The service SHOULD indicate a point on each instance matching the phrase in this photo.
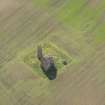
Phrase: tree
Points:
(46, 64)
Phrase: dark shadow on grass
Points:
(51, 73)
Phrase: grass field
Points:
(73, 30)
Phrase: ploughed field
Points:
(73, 30)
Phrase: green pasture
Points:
(78, 15)
(29, 57)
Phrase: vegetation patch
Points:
(61, 58)
(41, 3)
(100, 34)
